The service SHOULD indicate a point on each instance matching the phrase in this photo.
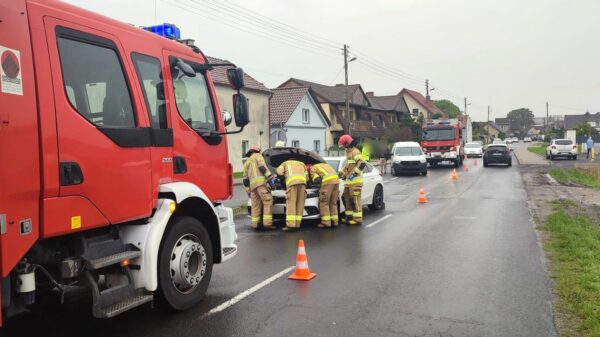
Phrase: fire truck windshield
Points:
(438, 134)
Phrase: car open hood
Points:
(277, 155)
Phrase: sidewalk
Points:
(526, 157)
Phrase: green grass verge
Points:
(577, 176)
(574, 246)
(238, 175)
(541, 150)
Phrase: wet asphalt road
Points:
(467, 263)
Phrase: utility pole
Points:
(547, 121)
(488, 113)
(427, 88)
(346, 72)
(466, 107)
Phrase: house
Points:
(503, 124)
(492, 130)
(420, 105)
(297, 111)
(571, 121)
(257, 131)
(366, 118)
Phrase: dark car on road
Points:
(497, 154)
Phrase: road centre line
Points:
(247, 293)
(378, 221)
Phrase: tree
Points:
(501, 135)
(521, 120)
(449, 108)
(406, 129)
(584, 129)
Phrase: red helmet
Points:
(255, 149)
(345, 141)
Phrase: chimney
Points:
(339, 85)
(370, 93)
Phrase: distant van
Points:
(408, 157)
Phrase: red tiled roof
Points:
(330, 93)
(427, 104)
(219, 76)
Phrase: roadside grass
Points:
(538, 149)
(240, 210)
(238, 175)
(589, 177)
(574, 247)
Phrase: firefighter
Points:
(353, 180)
(256, 178)
(324, 175)
(295, 194)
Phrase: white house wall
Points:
(306, 133)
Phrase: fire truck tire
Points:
(184, 265)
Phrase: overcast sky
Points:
(508, 54)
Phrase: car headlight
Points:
(312, 194)
(423, 160)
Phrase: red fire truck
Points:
(443, 141)
(114, 160)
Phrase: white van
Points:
(408, 157)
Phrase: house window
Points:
(245, 147)
(317, 146)
(415, 112)
(305, 116)
(295, 143)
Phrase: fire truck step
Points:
(128, 303)
(105, 261)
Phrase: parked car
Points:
(408, 157)
(561, 148)
(527, 140)
(498, 141)
(473, 150)
(497, 154)
(372, 194)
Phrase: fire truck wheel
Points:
(185, 264)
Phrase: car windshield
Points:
(335, 163)
(564, 142)
(497, 148)
(407, 151)
(438, 134)
(471, 145)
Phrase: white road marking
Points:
(378, 221)
(461, 217)
(392, 179)
(247, 292)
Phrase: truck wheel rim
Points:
(188, 263)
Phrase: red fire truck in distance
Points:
(114, 160)
(443, 141)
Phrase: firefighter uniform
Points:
(255, 178)
(328, 193)
(353, 187)
(295, 181)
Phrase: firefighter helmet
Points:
(253, 149)
(345, 141)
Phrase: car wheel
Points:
(510, 163)
(485, 164)
(547, 155)
(392, 171)
(424, 173)
(575, 157)
(378, 203)
(185, 264)
(456, 163)
(551, 156)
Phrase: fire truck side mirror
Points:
(185, 68)
(240, 106)
(235, 76)
(227, 118)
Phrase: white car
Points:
(408, 157)
(372, 191)
(561, 148)
(527, 140)
(473, 150)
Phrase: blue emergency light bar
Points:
(166, 29)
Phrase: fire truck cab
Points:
(114, 162)
(443, 141)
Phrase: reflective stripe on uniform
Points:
(357, 215)
(350, 161)
(257, 180)
(298, 218)
(334, 217)
(290, 217)
(326, 217)
(354, 181)
(268, 217)
(349, 212)
(292, 178)
(255, 219)
(329, 177)
(357, 157)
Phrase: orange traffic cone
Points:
(466, 167)
(302, 271)
(422, 199)
(454, 176)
